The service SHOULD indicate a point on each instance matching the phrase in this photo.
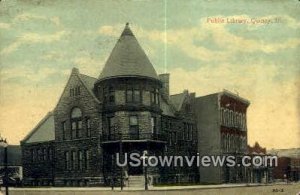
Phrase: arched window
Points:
(76, 123)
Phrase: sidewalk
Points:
(151, 188)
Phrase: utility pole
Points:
(4, 144)
(121, 157)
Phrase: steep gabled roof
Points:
(128, 59)
(44, 131)
(167, 108)
(177, 100)
(88, 82)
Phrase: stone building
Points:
(127, 109)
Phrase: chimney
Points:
(75, 71)
(164, 78)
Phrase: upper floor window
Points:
(133, 125)
(133, 95)
(63, 126)
(75, 91)
(153, 125)
(88, 127)
(111, 94)
(187, 108)
(50, 153)
(154, 96)
(111, 129)
(76, 123)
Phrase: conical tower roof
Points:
(128, 59)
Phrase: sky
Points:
(40, 42)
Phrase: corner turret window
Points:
(154, 96)
(133, 95)
(76, 123)
(133, 127)
(111, 95)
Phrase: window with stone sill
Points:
(153, 125)
(50, 153)
(133, 126)
(67, 160)
(111, 95)
(75, 91)
(76, 123)
(44, 154)
(86, 159)
(64, 129)
(111, 127)
(88, 127)
(73, 160)
(80, 160)
(154, 96)
(133, 95)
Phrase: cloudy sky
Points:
(40, 41)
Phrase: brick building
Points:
(259, 174)
(222, 130)
(128, 109)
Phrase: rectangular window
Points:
(88, 127)
(73, 160)
(153, 125)
(44, 154)
(87, 160)
(137, 96)
(67, 160)
(50, 153)
(111, 128)
(111, 95)
(77, 90)
(72, 92)
(174, 137)
(39, 154)
(32, 155)
(63, 126)
(170, 138)
(154, 96)
(80, 160)
(129, 94)
(133, 127)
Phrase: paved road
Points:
(290, 189)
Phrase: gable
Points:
(86, 85)
(177, 100)
(44, 131)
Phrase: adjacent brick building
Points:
(129, 109)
